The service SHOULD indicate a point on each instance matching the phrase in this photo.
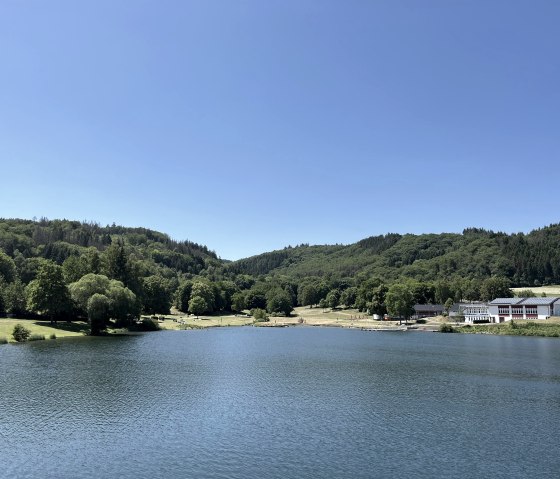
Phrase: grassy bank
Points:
(42, 328)
(348, 318)
(549, 328)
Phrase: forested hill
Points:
(59, 240)
(526, 259)
(109, 274)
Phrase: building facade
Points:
(427, 310)
(507, 309)
(475, 312)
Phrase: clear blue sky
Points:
(251, 125)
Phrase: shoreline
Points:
(302, 317)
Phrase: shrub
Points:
(3, 340)
(147, 324)
(259, 315)
(446, 328)
(52, 336)
(21, 333)
(37, 337)
(421, 321)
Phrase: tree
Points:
(333, 298)
(157, 297)
(20, 333)
(98, 307)
(279, 301)
(227, 290)
(448, 305)
(308, 295)
(256, 299)
(14, 298)
(348, 296)
(81, 291)
(206, 292)
(7, 268)
(525, 293)
(399, 301)
(74, 268)
(377, 303)
(238, 302)
(48, 293)
(197, 305)
(116, 262)
(124, 306)
(442, 292)
(183, 296)
(495, 287)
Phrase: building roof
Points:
(507, 301)
(539, 301)
(525, 301)
(428, 307)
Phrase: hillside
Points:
(58, 240)
(70, 269)
(526, 259)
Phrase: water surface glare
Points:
(281, 403)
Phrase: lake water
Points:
(281, 403)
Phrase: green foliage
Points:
(239, 302)
(15, 301)
(448, 305)
(495, 287)
(48, 293)
(36, 337)
(259, 315)
(183, 296)
(157, 295)
(519, 328)
(124, 307)
(3, 340)
(308, 294)
(475, 265)
(206, 292)
(400, 301)
(197, 305)
(348, 296)
(20, 333)
(147, 324)
(526, 293)
(81, 291)
(7, 268)
(52, 336)
(279, 301)
(98, 310)
(256, 298)
(475, 254)
(447, 328)
(333, 298)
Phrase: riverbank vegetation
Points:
(547, 328)
(78, 273)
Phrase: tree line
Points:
(126, 272)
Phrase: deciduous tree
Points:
(48, 293)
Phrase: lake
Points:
(281, 403)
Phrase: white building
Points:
(475, 312)
(506, 309)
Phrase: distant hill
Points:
(527, 259)
(59, 239)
